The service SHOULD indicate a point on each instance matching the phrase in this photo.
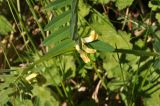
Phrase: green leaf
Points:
(55, 77)
(18, 102)
(5, 26)
(101, 23)
(63, 47)
(102, 46)
(156, 64)
(158, 17)
(57, 36)
(104, 27)
(156, 45)
(74, 19)
(8, 79)
(69, 66)
(58, 4)
(121, 4)
(44, 97)
(59, 20)
(84, 8)
(100, 1)
(154, 99)
(136, 52)
(154, 5)
(5, 95)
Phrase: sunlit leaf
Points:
(158, 17)
(121, 4)
(5, 26)
(84, 10)
(44, 97)
(154, 5)
(5, 93)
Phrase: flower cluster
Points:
(83, 50)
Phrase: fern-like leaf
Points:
(57, 36)
(58, 21)
(58, 4)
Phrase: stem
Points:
(136, 52)
(5, 56)
(35, 17)
(100, 77)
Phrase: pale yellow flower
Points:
(84, 50)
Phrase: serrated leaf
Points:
(57, 36)
(44, 97)
(58, 4)
(121, 4)
(55, 76)
(5, 95)
(102, 46)
(59, 20)
(5, 26)
(69, 64)
(18, 102)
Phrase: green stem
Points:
(5, 56)
(16, 52)
(24, 28)
(66, 94)
(100, 77)
(121, 69)
(20, 30)
(136, 52)
(21, 22)
(35, 17)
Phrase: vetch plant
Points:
(84, 52)
(83, 49)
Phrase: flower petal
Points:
(88, 50)
(84, 56)
(93, 36)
